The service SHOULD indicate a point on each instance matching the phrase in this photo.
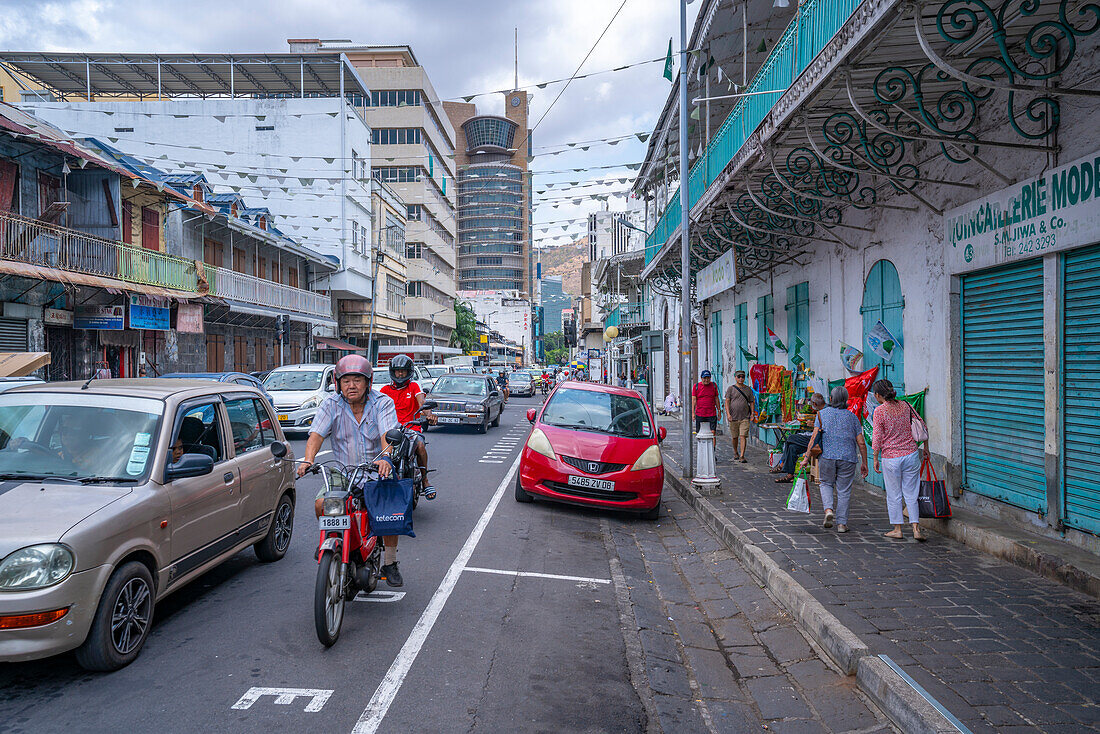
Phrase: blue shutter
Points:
(1002, 384)
(716, 350)
(1081, 390)
(742, 317)
(798, 320)
(882, 300)
(764, 316)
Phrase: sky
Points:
(466, 46)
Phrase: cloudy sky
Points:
(466, 46)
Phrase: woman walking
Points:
(892, 440)
(842, 447)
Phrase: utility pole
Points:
(433, 337)
(685, 255)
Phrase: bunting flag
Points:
(695, 113)
(776, 344)
(851, 358)
(857, 387)
(881, 341)
(748, 355)
(796, 353)
(668, 62)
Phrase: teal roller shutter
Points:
(1002, 382)
(1081, 390)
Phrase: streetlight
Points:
(432, 316)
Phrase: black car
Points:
(470, 400)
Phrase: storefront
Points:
(1029, 269)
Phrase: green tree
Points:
(554, 348)
(465, 334)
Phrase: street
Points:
(510, 619)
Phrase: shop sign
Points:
(154, 318)
(1059, 210)
(189, 318)
(57, 317)
(593, 353)
(112, 318)
(720, 275)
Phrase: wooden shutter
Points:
(150, 228)
(49, 190)
(292, 276)
(240, 353)
(128, 222)
(9, 175)
(238, 259)
(212, 252)
(215, 353)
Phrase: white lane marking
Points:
(382, 597)
(387, 690)
(489, 461)
(285, 696)
(502, 572)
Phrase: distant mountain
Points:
(566, 261)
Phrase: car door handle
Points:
(227, 477)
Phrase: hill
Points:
(566, 261)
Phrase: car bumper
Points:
(453, 418)
(634, 490)
(295, 419)
(79, 592)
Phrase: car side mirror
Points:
(427, 389)
(495, 392)
(531, 413)
(429, 405)
(278, 449)
(189, 465)
(661, 433)
(394, 436)
(329, 387)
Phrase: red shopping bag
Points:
(932, 500)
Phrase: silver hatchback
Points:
(115, 493)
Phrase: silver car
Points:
(115, 493)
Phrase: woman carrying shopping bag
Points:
(893, 439)
(842, 450)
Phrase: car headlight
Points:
(36, 567)
(650, 459)
(475, 408)
(334, 504)
(539, 443)
(311, 403)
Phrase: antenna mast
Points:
(516, 86)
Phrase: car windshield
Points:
(601, 412)
(437, 371)
(97, 438)
(459, 385)
(294, 380)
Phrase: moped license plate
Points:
(334, 522)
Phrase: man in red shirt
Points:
(407, 398)
(705, 402)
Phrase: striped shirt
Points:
(355, 442)
(891, 433)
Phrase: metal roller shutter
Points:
(1081, 389)
(1002, 381)
(13, 335)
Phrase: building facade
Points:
(507, 313)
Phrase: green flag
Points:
(749, 356)
(796, 353)
(668, 61)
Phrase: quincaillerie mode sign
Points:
(1058, 210)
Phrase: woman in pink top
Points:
(892, 440)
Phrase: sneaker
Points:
(842, 528)
(828, 519)
(392, 575)
(429, 492)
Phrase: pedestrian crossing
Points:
(505, 446)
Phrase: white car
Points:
(297, 390)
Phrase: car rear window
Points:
(599, 412)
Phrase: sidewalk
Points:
(1000, 647)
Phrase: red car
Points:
(593, 445)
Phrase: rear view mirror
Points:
(278, 449)
(531, 413)
(661, 433)
(189, 465)
(329, 387)
(395, 436)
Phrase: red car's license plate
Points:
(588, 483)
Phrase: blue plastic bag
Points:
(390, 506)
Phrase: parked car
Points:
(296, 391)
(238, 378)
(521, 384)
(7, 383)
(119, 494)
(593, 445)
(470, 400)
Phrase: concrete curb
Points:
(897, 699)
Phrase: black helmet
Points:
(401, 362)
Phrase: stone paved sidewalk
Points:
(719, 655)
(1002, 648)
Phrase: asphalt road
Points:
(462, 649)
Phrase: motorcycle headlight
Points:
(475, 408)
(650, 459)
(334, 504)
(36, 567)
(539, 443)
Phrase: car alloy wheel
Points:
(284, 526)
(133, 610)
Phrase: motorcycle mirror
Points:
(395, 436)
(278, 449)
(429, 405)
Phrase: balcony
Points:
(31, 242)
(235, 286)
(815, 24)
(627, 315)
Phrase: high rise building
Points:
(494, 196)
(412, 150)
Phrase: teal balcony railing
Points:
(816, 22)
(626, 315)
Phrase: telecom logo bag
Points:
(932, 500)
(390, 506)
(799, 498)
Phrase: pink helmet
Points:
(353, 364)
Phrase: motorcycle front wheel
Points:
(328, 598)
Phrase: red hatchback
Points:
(593, 445)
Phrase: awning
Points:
(21, 364)
(339, 345)
(254, 310)
(37, 272)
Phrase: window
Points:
(489, 260)
(265, 128)
(415, 288)
(150, 228)
(266, 424)
(128, 222)
(397, 174)
(415, 211)
(395, 295)
(49, 190)
(261, 271)
(238, 260)
(396, 136)
(414, 250)
(124, 129)
(244, 424)
(292, 276)
(355, 235)
(215, 353)
(212, 252)
(198, 431)
(394, 97)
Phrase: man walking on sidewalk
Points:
(705, 402)
(739, 412)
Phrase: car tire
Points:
(653, 513)
(131, 585)
(522, 495)
(496, 421)
(483, 427)
(275, 544)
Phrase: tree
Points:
(554, 348)
(465, 333)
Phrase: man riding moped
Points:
(357, 418)
(408, 399)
